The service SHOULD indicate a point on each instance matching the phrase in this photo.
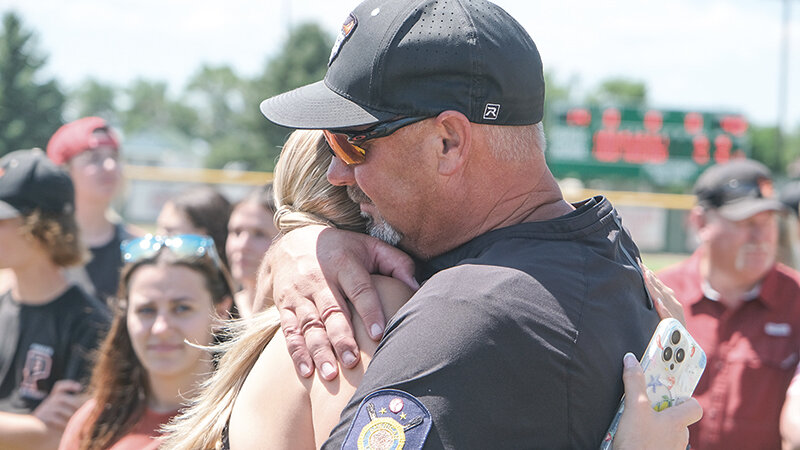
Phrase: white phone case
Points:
(673, 363)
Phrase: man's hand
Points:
(62, 402)
(664, 298)
(310, 273)
(643, 428)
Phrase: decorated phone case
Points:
(673, 363)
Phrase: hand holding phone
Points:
(673, 363)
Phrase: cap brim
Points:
(748, 208)
(316, 107)
(7, 211)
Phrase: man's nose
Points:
(340, 174)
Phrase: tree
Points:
(302, 60)
(30, 109)
(94, 98)
(619, 91)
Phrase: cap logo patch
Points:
(347, 29)
(491, 111)
(2, 171)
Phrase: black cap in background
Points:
(29, 180)
(737, 189)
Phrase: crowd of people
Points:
(413, 277)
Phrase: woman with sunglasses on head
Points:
(250, 233)
(173, 293)
(197, 210)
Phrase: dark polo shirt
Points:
(752, 355)
(514, 341)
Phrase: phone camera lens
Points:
(667, 354)
(679, 355)
(676, 337)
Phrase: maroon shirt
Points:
(752, 354)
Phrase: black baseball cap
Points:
(418, 58)
(29, 181)
(790, 196)
(737, 189)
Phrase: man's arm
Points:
(41, 429)
(309, 274)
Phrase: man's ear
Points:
(456, 135)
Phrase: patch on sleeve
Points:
(388, 419)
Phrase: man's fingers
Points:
(392, 262)
(316, 340)
(340, 332)
(296, 343)
(356, 285)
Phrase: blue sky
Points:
(692, 54)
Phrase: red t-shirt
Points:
(752, 354)
(143, 435)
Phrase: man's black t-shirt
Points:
(103, 269)
(54, 341)
(515, 341)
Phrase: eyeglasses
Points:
(182, 245)
(346, 144)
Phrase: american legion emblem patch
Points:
(388, 419)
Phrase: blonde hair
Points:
(303, 196)
(302, 192)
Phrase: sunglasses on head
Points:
(346, 145)
(182, 245)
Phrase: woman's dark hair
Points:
(208, 210)
(119, 383)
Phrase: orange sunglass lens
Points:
(346, 151)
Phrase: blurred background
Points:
(641, 95)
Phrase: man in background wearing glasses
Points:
(433, 110)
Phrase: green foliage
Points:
(619, 91)
(302, 60)
(30, 109)
(94, 98)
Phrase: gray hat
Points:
(418, 58)
(28, 181)
(737, 189)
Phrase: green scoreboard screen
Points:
(627, 145)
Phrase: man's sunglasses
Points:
(182, 245)
(346, 145)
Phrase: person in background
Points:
(89, 150)
(741, 307)
(789, 238)
(197, 210)
(173, 293)
(251, 230)
(48, 327)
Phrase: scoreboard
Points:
(663, 148)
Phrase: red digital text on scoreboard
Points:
(648, 137)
